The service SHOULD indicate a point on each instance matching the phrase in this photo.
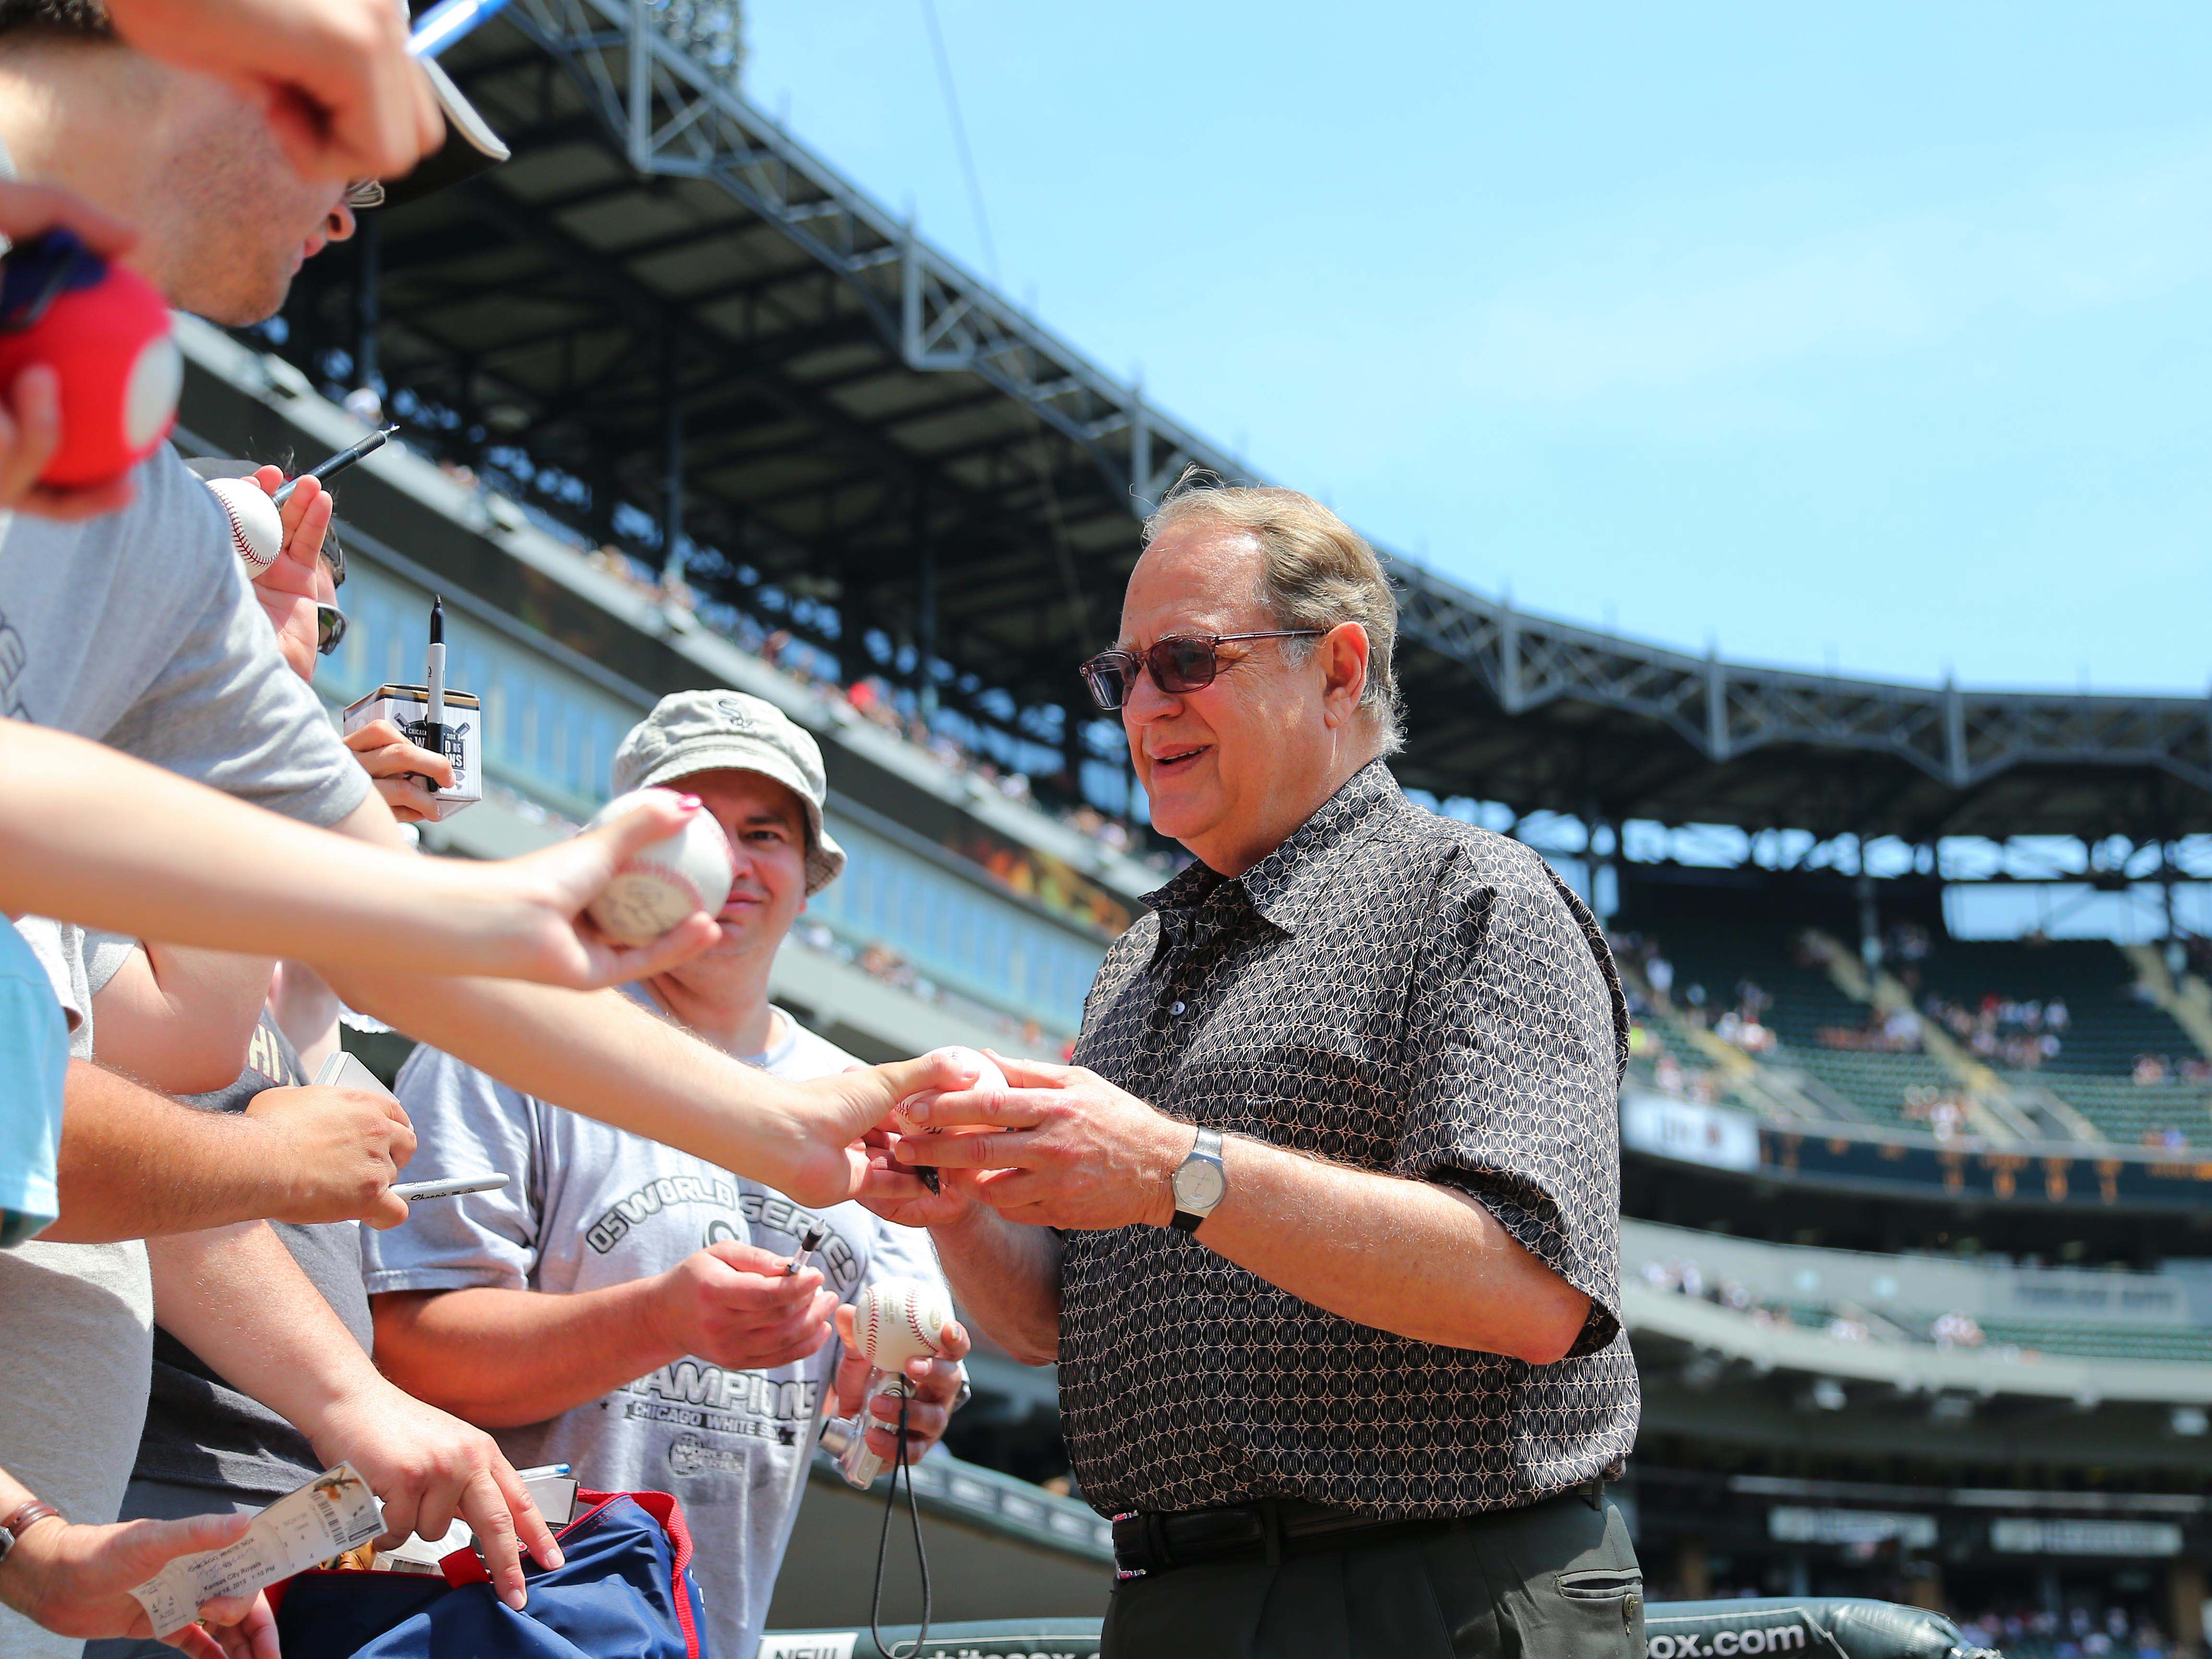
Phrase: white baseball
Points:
(663, 881)
(987, 1076)
(256, 532)
(896, 1320)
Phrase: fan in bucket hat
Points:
(691, 732)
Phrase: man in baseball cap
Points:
(694, 731)
(670, 1349)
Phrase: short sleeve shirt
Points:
(590, 1205)
(33, 1063)
(139, 628)
(1401, 993)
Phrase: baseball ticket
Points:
(327, 1517)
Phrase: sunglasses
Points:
(1179, 662)
(329, 629)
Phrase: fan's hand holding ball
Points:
(981, 1071)
(661, 883)
(257, 530)
(896, 1319)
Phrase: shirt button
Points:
(1175, 1008)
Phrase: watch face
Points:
(1198, 1185)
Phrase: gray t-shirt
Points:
(139, 629)
(588, 1206)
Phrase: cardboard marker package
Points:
(405, 706)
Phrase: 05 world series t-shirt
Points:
(588, 1205)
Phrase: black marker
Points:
(809, 1242)
(430, 733)
(434, 677)
(337, 463)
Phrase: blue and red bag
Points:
(624, 1589)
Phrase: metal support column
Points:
(1870, 914)
(2177, 954)
(925, 630)
(367, 298)
(672, 488)
(1074, 750)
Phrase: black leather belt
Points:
(1147, 1542)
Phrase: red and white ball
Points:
(896, 1320)
(665, 880)
(257, 533)
(120, 372)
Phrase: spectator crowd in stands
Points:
(2077, 1633)
(871, 698)
(1842, 1322)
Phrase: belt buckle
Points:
(1130, 1544)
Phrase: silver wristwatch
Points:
(1200, 1182)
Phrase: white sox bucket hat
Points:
(691, 732)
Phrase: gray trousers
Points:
(1558, 1580)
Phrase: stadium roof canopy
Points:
(700, 334)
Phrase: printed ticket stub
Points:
(327, 1517)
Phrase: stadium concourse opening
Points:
(1918, 1221)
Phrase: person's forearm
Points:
(1404, 1256)
(307, 1011)
(502, 1358)
(136, 1164)
(220, 874)
(177, 1019)
(599, 1053)
(235, 1297)
(1007, 1277)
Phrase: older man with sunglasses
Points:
(1322, 1227)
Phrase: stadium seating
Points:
(2093, 1077)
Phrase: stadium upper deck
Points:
(670, 324)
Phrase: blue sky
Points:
(1879, 340)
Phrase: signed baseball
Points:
(986, 1076)
(663, 881)
(896, 1320)
(257, 534)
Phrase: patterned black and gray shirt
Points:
(1401, 993)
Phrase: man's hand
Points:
(75, 1580)
(334, 1154)
(832, 1114)
(428, 1468)
(31, 409)
(892, 1189)
(1077, 1152)
(936, 1381)
(537, 903)
(732, 1304)
(397, 768)
(332, 76)
(292, 584)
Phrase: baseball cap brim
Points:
(470, 147)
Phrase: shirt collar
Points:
(1282, 886)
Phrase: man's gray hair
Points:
(1318, 572)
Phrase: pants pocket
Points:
(1600, 1612)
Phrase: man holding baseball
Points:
(1323, 1226)
(625, 1307)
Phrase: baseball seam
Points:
(238, 539)
(913, 1323)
